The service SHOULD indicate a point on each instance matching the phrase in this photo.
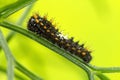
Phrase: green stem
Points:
(21, 20)
(10, 58)
(10, 9)
(105, 69)
(17, 65)
(101, 76)
(26, 72)
(24, 14)
(16, 74)
(101, 69)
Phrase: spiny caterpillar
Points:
(45, 28)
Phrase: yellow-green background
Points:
(93, 22)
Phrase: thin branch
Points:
(20, 21)
(101, 76)
(10, 9)
(18, 76)
(106, 69)
(10, 58)
(26, 72)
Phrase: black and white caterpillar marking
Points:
(45, 28)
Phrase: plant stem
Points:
(16, 75)
(24, 14)
(10, 58)
(26, 72)
(20, 21)
(106, 69)
(101, 76)
(101, 69)
(10, 9)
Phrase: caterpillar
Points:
(45, 28)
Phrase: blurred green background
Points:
(93, 22)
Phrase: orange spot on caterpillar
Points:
(45, 27)
(35, 16)
(83, 53)
(73, 48)
(41, 23)
(48, 30)
(56, 39)
(37, 21)
(52, 34)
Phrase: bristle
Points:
(45, 16)
(82, 45)
(51, 20)
(35, 16)
(77, 42)
(71, 39)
